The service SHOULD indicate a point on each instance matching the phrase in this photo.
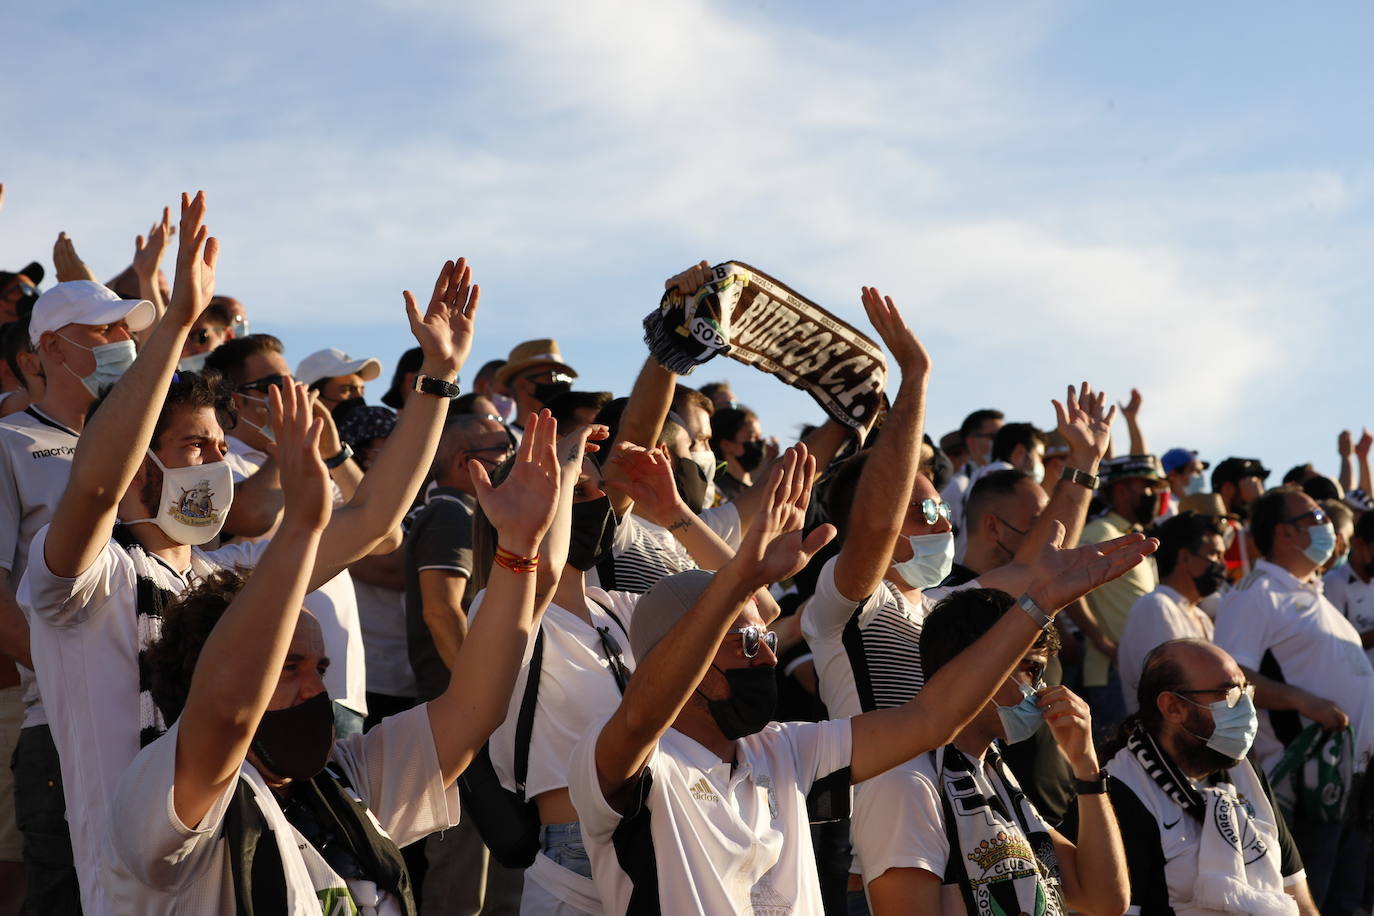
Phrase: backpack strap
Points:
(524, 723)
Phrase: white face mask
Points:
(505, 406)
(111, 361)
(266, 431)
(1038, 472)
(194, 502)
(194, 363)
(1196, 484)
(706, 460)
(931, 561)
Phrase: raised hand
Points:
(304, 478)
(522, 507)
(582, 441)
(1071, 724)
(197, 254)
(1085, 422)
(444, 332)
(1362, 447)
(647, 478)
(1344, 447)
(774, 548)
(148, 253)
(68, 265)
(899, 339)
(1059, 576)
(690, 280)
(1131, 409)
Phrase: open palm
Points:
(444, 332)
(1060, 576)
(522, 507)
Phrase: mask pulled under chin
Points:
(295, 742)
(752, 701)
(932, 558)
(194, 502)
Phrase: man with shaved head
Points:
(1184, 793)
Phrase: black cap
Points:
(1235, 469)
(1124, 466)
(409, 362)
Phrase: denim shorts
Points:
(563, 844)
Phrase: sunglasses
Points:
(1318, 518)
(615, 657)
(751, 636)
(933, 510)
(1231, 694)
(265, 384)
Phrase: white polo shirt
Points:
(1316, 648)
(84, 639)
(706, 836)
(35, 462)
(334, 603)
(1353, 598)
(1155, 618)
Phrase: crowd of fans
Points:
(510, 646)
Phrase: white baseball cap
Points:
(86, 302)
(331, 363)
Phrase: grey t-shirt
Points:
(439, 538)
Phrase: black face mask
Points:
(691, 483)
(545, 392)
(1212, 578)
(1145, 508)
(593, 531)
(295, 742)
(751, 703)
(752, 456)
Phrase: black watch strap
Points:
(428, 384)
(1074, 475)
(345, 453)
(1095, 786)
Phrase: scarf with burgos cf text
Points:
(745, 314)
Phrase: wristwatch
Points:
(345, 453)
(1042, 620)
(1095, 786)
(428, 384)
(1074, 475)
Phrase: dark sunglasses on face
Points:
(199, 338)
(264, 384)
(933, 510)
(1318, 518)
(751, 636)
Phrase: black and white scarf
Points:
(1160, 767)
(150, 600)
(1002, 860)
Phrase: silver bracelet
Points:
(1042, 620)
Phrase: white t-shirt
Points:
(709, 837)
(154, 864)
(576, 689)
(886, 670)
(382, 621)
(35, 462)
(334, 603)
(645, 552)
(84, 639)
(1353, 598)
(1316, 648)
(1155, 618)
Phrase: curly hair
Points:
(961, 618)
(186, 625)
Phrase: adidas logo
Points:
(701, 790)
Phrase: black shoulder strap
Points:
(611, 614)
(524, 724)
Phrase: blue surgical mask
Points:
(1321, 544)
(1233, 727)
(111, 361)
(1196, 484)
(932, 557)
(1341, 560)
(1022, 720)
(193, 363)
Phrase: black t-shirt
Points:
(439, 538)
(958, 575)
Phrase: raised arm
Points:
(112, 446)
(1362, 459)
(242, 659)
(386, 491)
(955, 694)
(1131, 411)
(521, 510)
(1085, 422)
(67, 264)
(1346, 449)
(773, 550)
(148, 256)
(646, 476)
(884, 491)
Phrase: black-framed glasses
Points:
(932, 509)
(751, 636)
(615, 657)
(1317, 515)
(1230, 694)
(265, 384)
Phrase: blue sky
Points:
(1172, 196)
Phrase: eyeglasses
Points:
(264, 384)
(1318, 518)
(1230, 694)
(548, 376)
(933, 510)
(752, 636)
(199, 338)
(615, 657)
